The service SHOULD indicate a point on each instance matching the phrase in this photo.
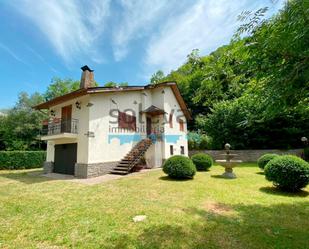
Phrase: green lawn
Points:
(207, 212)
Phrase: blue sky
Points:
(122, 40)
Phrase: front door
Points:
(65, 158)
(148, 125)
(66, 118)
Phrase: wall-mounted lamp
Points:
(163, 92)
(135, 102)
(78, 105)
(144, 94)
(89, 104)
(52, 113)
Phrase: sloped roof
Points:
(153, 110)
(93, 90)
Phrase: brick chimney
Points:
(87, 79)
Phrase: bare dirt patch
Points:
(218, 208)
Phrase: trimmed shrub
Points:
(179, 167)
(263, 160)
(21, 159)
(289, 173)
(202, 161)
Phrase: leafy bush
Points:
(21, 159)
(263, 160)
(179, 167)
(289, 173)
(202, 161)
(198, 141)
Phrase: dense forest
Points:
(253, 92)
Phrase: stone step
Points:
(120, 169)
(123, 166)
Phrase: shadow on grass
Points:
(260, 173)
(167, 178)
(277, 191)
(28, 177)
(276, 226)
(222, 177)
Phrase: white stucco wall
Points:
(104, 148)
(170, 104)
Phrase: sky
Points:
(121, 40)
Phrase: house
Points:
(99, 130)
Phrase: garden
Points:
(252, 92)
(199, 210)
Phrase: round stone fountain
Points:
(228, 163)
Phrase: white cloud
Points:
(169, 29)
(206, 25)
(12, 53)
(138, 18)
(72, 27)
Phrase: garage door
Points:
(65, 158)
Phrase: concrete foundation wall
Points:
(48, 167)
(247, 155)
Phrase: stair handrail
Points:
(137, 158)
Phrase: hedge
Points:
(21, 159)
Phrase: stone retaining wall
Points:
(94, 169)
(247, 155)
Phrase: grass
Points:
(207, 212)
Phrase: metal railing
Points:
(58, 126)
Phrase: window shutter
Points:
(181, 126)
(171, 120)
(126, 121)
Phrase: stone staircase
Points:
(132, 158)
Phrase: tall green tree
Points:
(20, 127)
(115, 84)
(60, 87)
(157, 77)
(257, 83)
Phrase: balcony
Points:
(59, 128)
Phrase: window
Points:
(182, 150)
(181, 125)
(171, 150)
(171, 120)
(126, 121)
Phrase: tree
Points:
(114, 84)
(20, 127)
(253, 92)
(60, 87)
(157, 77)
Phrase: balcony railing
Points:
(58, 126)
